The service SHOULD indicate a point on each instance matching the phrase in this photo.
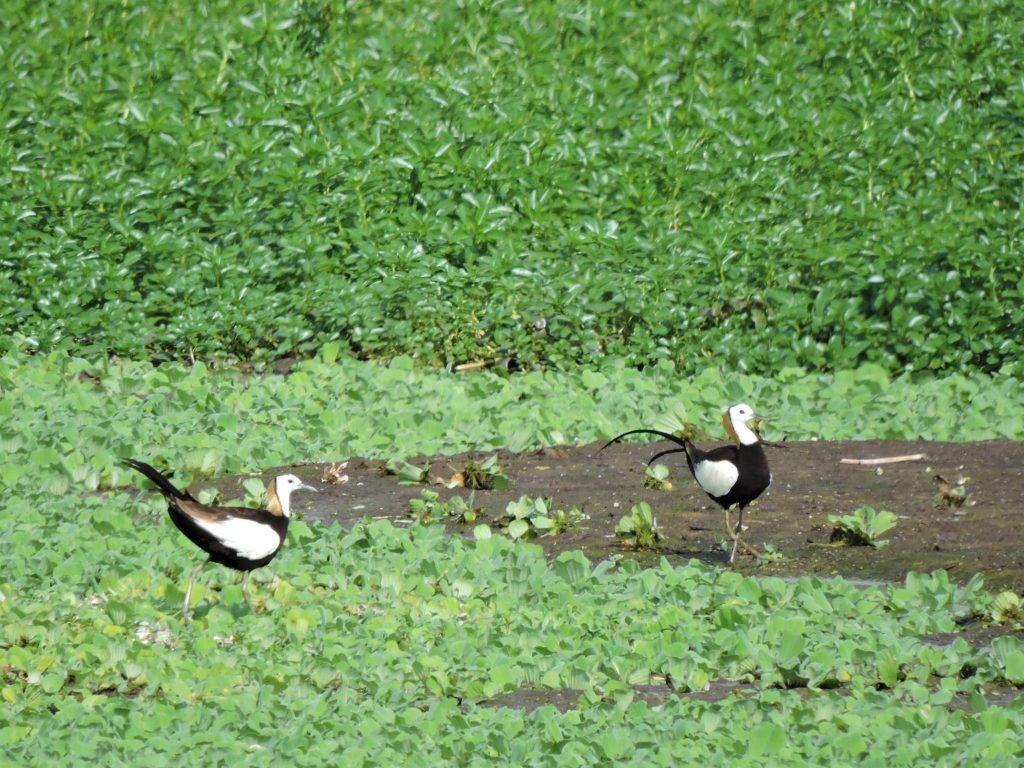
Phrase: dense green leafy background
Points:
(771, 185)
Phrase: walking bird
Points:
(732, 475)
(240, 538)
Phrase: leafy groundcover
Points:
(376, 646)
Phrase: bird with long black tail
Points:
(732, 475)
(240, 538)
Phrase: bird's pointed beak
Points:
(308, 488)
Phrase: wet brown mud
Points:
(985, 535)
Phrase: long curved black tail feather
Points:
(670, 451)
(161, 482)
(685, 445)
(680, 441)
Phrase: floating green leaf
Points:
(862, 528)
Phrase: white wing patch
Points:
(248, 538)
(716, 477)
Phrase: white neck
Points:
(744, 434)
(284, 497)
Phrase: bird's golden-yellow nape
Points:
(273, 500)
(279, 494)
(727, 423)
(737, 419)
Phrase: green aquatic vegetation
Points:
(429, 508)
(639, 529)
(255, 493)
(768, 554)
(862, 528)
(525, 518)
(61, 415)
(1007, 608)
(657, 477)
(1008, 659)
(562, 520)
(539, 185)
(406, 472)
(485, 476)
(389, 629)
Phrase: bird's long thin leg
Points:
(188, 589)
(734, 534)
(245, 589)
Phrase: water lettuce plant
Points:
(639, 529)
(484, 476)
(370, 637)
(429, 508)
(407, 472)
(1007, 608)
(654, 209)
(656, 476)
(862, 528)
(526, 517)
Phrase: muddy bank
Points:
(985, 535)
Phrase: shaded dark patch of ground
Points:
(564, 699)
(654, 694)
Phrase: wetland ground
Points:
(985, 535)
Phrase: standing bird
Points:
(732, 474)
(243, 539)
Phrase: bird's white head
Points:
(279, 493)
(736, 419)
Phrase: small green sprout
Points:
(639, 530)
(485, 476)
(426, 508)
(463, 510)
(770, 555)
(862, 528)
(656, 477)
(429, 507)
(1007, 608)
(564, 519)
(526, 518)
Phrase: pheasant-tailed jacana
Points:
(731, 474)
(240, 538)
